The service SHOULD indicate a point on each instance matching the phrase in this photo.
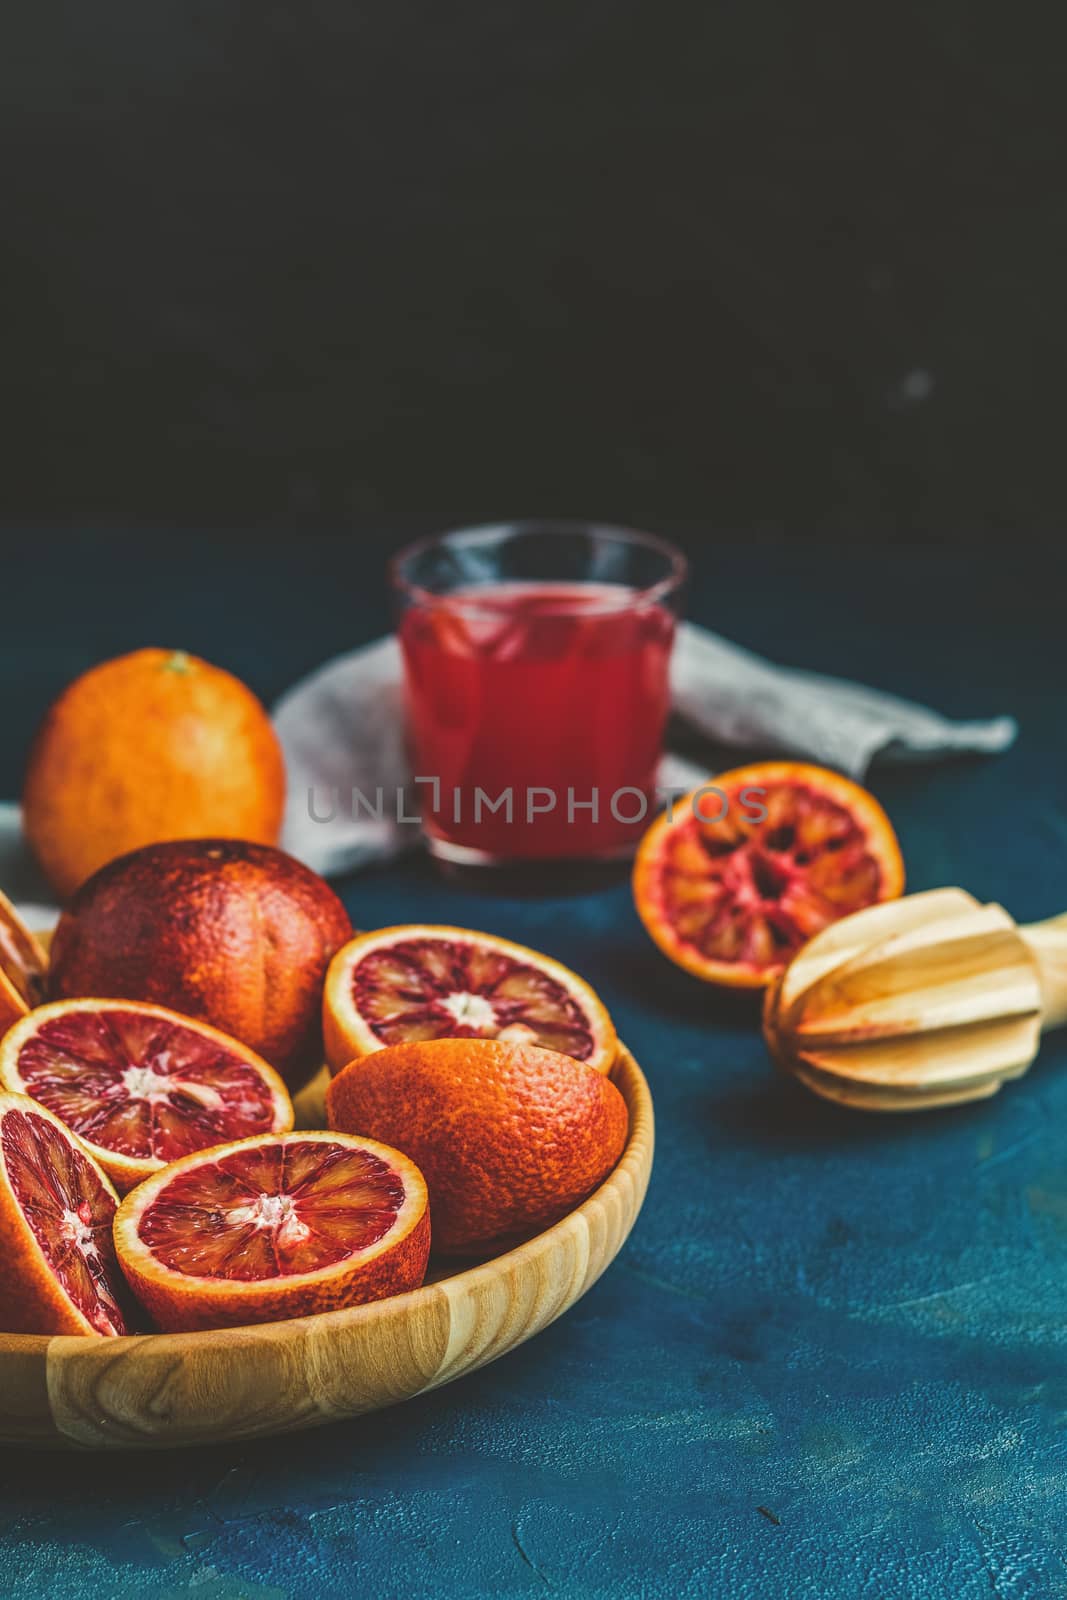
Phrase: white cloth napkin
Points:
(342, 730)
(20, 878)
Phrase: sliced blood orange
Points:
(730, 898)
(141, 1085)
(23, 967)
(407, 984)
(280, 1226)
(58, 1272)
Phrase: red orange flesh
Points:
(139, 1084)
(732, 897)
(418, 982)
(281, 1226)
(58, 1271)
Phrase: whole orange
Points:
(234, 934)
(149, 746)
(509, 1137)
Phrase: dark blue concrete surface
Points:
(831, 1360)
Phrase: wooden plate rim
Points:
(34, 1368)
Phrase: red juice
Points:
(552, 693)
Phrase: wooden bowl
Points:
(158, 1390)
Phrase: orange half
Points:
(737, 875)
(286, 1225)
(139, 1084)
(410, 984)
(23, 967)
(58, 1272)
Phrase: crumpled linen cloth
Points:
(342, 728)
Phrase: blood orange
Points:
(58, 1272)
(141, 1085)
(23, 967)
(417, 982)
(730, 898)
(235, 934)
(510, 1137)
(153, 745)
(275, 1227)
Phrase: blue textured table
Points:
(831, 1360)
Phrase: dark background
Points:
(772, 268)
(780, 279)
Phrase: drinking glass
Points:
(536, 660)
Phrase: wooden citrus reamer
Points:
(927, 1001)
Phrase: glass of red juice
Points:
(536, 658)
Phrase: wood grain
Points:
(161, 1390)
(927, 1001)
(1047, 943)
